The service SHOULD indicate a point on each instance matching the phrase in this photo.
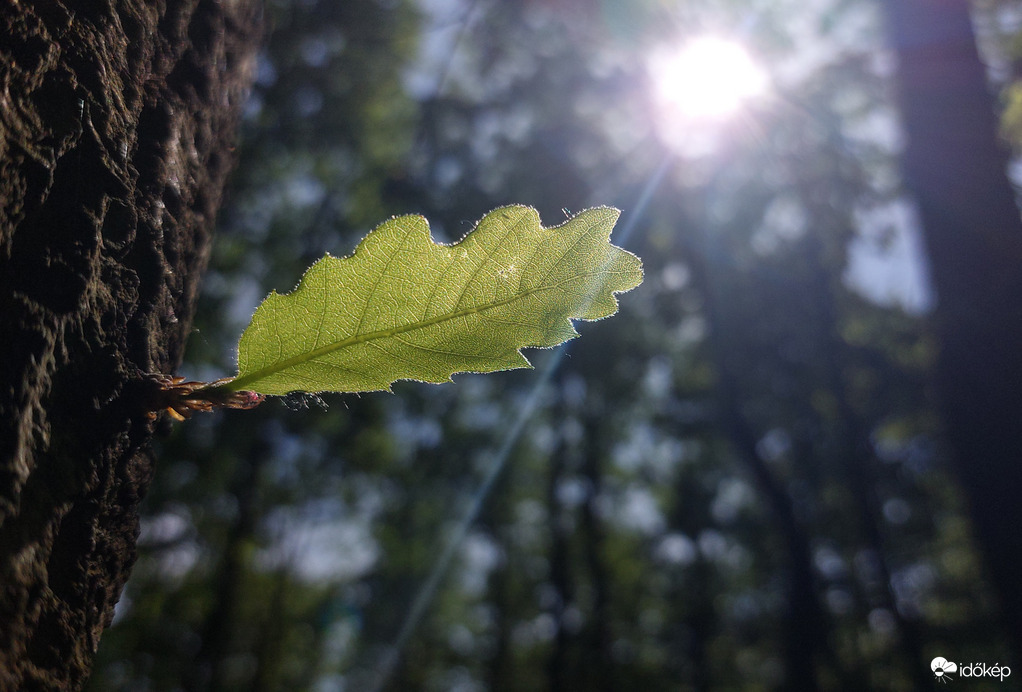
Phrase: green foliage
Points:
(404, 307)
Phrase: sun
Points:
(707, 79)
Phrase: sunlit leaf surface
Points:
(404, 307)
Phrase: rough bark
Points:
(955, 167)
(116, 121)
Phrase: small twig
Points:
(181, 398)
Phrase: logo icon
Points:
(942, 668)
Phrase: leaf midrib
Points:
(239, 383)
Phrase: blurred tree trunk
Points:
(955, 167)
(218, 631)
(500, 673)
(600, 665)
(695, 608)
(560, 573)
(116, 118)
(805, 631)
(855, 452)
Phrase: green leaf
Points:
(404, 307)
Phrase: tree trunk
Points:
(956, 170)
(805, 632)
(116, 119)
(558, 662)
(599, 667)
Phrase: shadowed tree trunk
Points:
(956, 170)
(116, 120)
(558, 662)
(804, 640)
(599, 664)
(208, 667)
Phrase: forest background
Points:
(739, 482)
